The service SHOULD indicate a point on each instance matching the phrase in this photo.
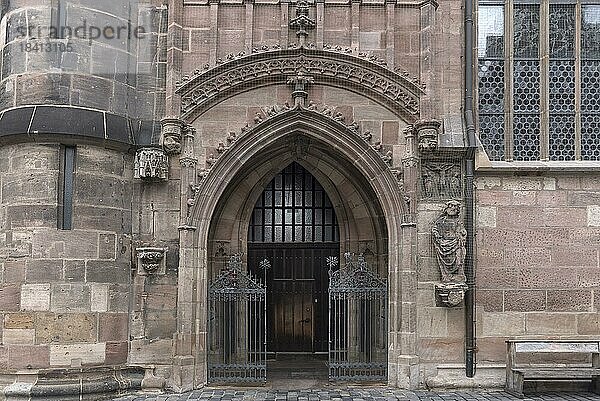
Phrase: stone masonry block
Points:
(28, 357)
(35, 297)
(112, 327)
(432, 322)
(486, 216)
(19, 321)
(18, 336)
(44, 270)
(70, 298)
(525, 300)
(65, 328)
(77, 354)
(497, 324)
(550, 323)
(99, 298)
(10, 297)
(593, 216)
(571, 300)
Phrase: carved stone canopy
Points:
(151, 260)
(428, 132)
(151, 164)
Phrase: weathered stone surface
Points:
(112, 327)
(502, 324)
(18, 336)
(70, 298)
(550, 323)
(18, 321)
(10, 297)
(44, 270)
(76, 354)
(106, 272)
(525, 300)
(35, 297)
(65, 328)
(28, 357)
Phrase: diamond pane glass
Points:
(590, 31)
(490, 42)
(526, 30)
(526, 131)
(562, 30)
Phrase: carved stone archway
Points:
(250, 161)
(396, 92)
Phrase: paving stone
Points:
(375, 394)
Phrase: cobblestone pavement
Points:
(370, 394)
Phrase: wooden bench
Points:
(517, 373)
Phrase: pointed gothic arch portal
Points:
(294, 226)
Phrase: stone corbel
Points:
(449, 294)
(428, 132)
(171, 135)
(151, 260)
(151, 164)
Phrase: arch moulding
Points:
(394, 91)
(247, 153)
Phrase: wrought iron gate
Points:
(237, 326)
(357, 321)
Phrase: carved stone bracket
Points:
(151, 164)
(428, 133)
(450, 295)
(151, 260)
(171, 135)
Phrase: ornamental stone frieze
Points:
(151, 260)
(206, 88)
(151, 164)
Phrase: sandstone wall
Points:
(537, 260)
(65, 293)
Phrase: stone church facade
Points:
(136, 170)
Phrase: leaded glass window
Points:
(491, 79)
(539, 79)
(294, 207)
(526, 82)
(590, 82)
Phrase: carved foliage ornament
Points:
(279, 66)
(151, 164)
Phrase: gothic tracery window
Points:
(539, 79)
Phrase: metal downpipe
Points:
(470, 340)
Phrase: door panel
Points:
(297, 297)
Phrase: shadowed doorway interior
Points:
(294, 226)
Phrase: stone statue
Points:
(449, 237)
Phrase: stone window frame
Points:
(506, 113)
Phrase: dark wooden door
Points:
(297, 297)
(294, 226)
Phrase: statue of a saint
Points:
(449, 237)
